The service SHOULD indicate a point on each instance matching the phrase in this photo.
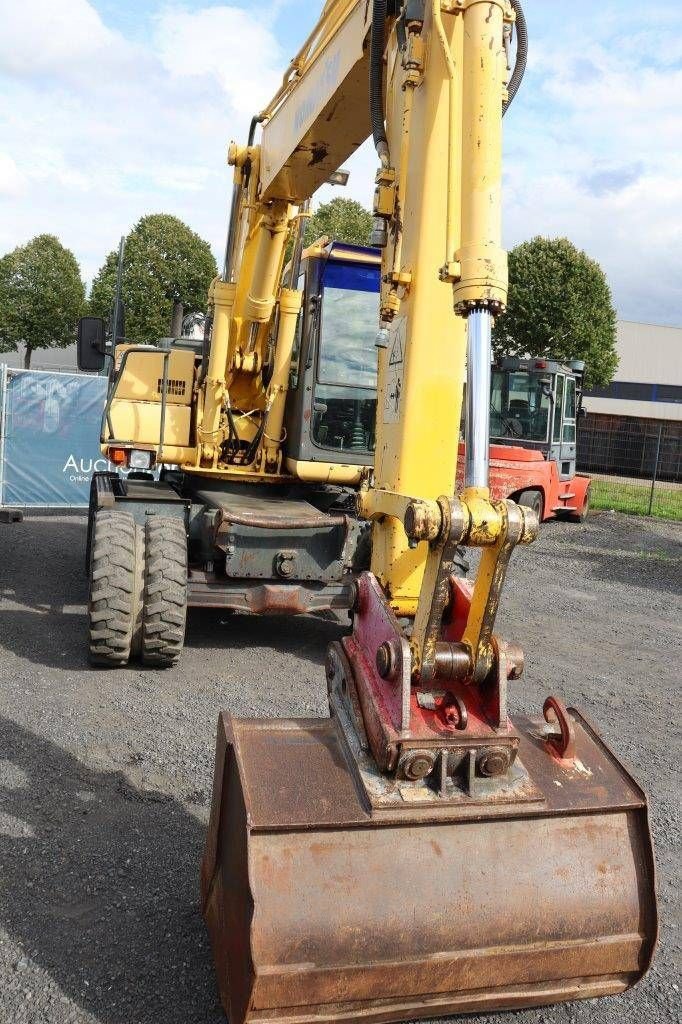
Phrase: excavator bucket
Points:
(331, 894)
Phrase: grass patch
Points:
(633, 497)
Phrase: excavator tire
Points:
(164, 611)
(92, 512)
(115, 587)
(138, 593)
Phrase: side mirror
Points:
(91, 344)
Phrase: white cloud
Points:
(593, 154)
(40, 36)
(228, 44)
(12, 182)
(97, 129)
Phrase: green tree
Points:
(559, 305)
(342, 220)
(41, 297)
(166, 266)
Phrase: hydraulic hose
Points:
(376, 81)
(255, 121)
(521, 55)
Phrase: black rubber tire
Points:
(138, 593)
(532, 499)
(164, 614)
(92, 511)
(580, 517)
(115, 589)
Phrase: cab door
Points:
(563, 439)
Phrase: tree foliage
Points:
(342, 220)
(41, 297)
(165, 262)
(559, 305)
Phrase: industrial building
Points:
(636, 422)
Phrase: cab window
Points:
(569, 411)
(558, 407)
(519, 406)
(344, 405)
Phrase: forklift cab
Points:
(535, 403)
(331, 404)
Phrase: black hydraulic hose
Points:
(376, 81)
(253, 447)
(521, 54)
(233, 440)
(255, 121)
(205, 348)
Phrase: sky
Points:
(112, 109)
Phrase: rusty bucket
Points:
(326, 900)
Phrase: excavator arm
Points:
(429, 83)
(420, 852)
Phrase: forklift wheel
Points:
(165, 591)
(532, 499)
(115, 587)
(580, 517)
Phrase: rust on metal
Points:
(564, 744)
(319, 895)
(208, 590)
(393, 713)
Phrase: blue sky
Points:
(110, 109)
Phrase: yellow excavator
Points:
(420, 852)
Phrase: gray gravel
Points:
(105, 776)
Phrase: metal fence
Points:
(635, 464)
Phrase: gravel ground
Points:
(105, 776)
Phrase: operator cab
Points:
(534, 403)
(331, 405)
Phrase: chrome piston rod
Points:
(477, 424)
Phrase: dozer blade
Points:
(327, 901)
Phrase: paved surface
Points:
(105, 776)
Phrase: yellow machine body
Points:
(136, 408)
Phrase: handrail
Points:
(330, 21)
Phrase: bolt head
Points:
(384, 660)
(416, 764)
(493, 762)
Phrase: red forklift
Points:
(535, 405)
